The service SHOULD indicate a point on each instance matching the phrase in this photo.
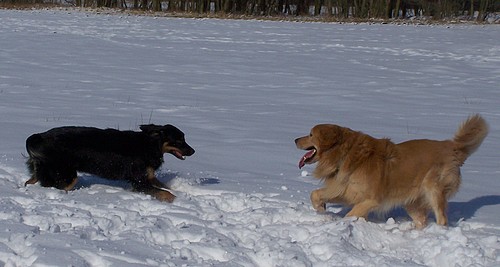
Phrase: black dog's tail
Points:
(33, 144)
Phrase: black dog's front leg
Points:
(150, 185)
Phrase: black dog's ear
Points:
(169, 128)
(151, 129)
(173, 131)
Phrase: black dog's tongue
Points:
(306, 156)
(179, 155)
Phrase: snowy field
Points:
(241, 91)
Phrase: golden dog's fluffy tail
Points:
(469, 136)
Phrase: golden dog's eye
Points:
(310, 135)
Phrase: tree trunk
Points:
(329, 7)
(396, 8)
(317, 7)
(156, 5)
(471, 11)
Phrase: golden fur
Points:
(372, 174)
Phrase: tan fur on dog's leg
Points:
(32, 180)
(439, 204)
(71, 185)
(160, 191)
(153, 180)
(418, 214)
(318, 200)
(362, 209)
(164, 195)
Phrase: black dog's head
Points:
(171, 138)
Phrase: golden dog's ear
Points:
(327, 135)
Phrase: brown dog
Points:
(372, 174)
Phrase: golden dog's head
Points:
(323, 137)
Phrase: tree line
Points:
(336, 9)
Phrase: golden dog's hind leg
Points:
(438, 203)
(362, 209)
(418, 214)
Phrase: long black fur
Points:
(57, 155)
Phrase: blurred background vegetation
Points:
(478, 10)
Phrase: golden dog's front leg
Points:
(362, 209)
(320, 197)
(318, 200)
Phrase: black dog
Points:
(56, 155)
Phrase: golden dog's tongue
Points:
(307, 156)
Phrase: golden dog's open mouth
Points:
(307, 157)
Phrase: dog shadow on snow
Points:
(457, 211)
(87, 180)
(465, 210)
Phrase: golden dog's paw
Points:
(321, 208)
(318, 204)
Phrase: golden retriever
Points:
(377, 175)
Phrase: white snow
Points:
(242, 91)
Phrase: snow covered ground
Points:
(241, 91)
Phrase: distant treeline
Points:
(340, 9)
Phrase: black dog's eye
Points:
(179, 141)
